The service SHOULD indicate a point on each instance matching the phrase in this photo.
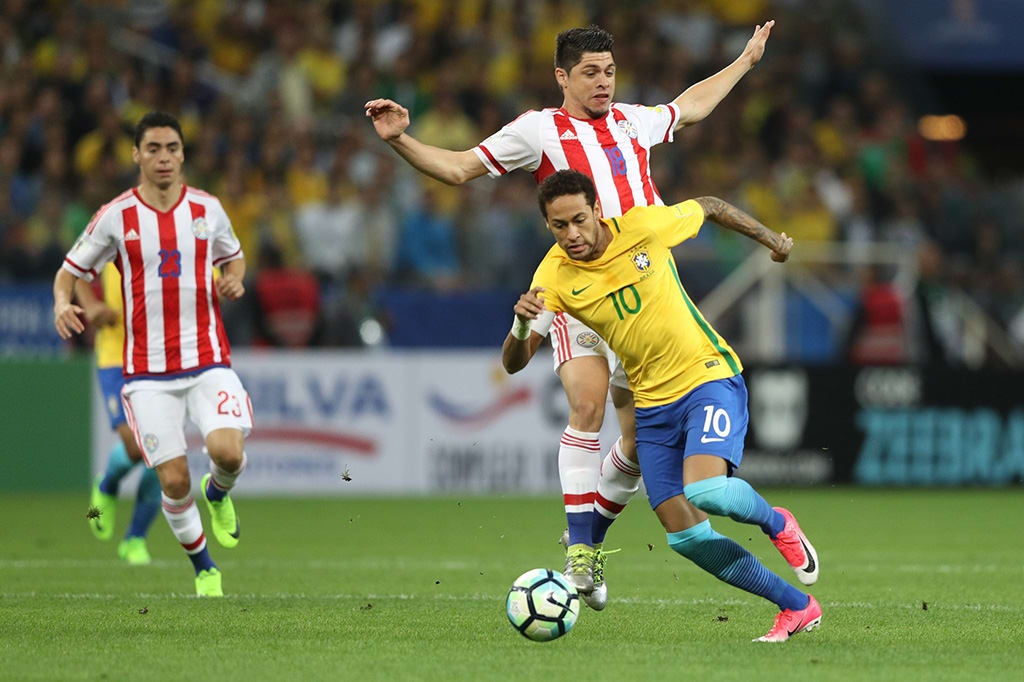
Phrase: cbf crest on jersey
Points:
(629, 128)
(200, 228)
(641, 261)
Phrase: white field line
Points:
(445, 596)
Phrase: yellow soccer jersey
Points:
(109, 343)
(633, 298)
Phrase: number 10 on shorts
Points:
(716, 419)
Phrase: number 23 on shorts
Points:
(228, 404)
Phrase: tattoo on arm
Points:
(730, 217)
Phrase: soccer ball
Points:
(542, 605)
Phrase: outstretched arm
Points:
(390, 120)
(521, 343)
(732, 218)
(700, 99)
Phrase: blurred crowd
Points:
(820, 141)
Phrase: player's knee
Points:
(709, 495)
(175, 486)
(587, 415)
(227, 456)
(690, 543)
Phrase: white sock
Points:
(619, 481)
(183, 518)
(579, 465)
(225, 480)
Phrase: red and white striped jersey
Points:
(171, 314)
(612, 150)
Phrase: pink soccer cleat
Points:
(790, 622)
(797, 549)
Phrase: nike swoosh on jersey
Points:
(577, 292)
(705, 439)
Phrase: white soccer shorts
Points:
(570, 339)
(156, 410)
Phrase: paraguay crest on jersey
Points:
(629, 128)
(200, 228)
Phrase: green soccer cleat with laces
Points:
(208, 583)
(579, 567)
(222, 518)
(134, 551)
(102, 508)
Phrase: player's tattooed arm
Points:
(728, 216)
(517, 349)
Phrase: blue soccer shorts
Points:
(709, 420)
(111, 381)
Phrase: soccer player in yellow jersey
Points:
(105, 314)
(619, 278)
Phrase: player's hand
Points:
(781, 255)
(530, 304)
(390, 119)
(101, 315)
(755, 46)
(230, 287)
(66, 320)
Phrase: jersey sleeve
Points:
(673, 224)
(517, 145)
(225, 246)
(96, 246)
(658, 123)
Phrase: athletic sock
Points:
(579, 463)
(618, 482)
(147, 504)
(733, 497)
(118, 466)
(221, 480)
(730, 562)
(183, 518)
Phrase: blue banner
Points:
(26, 320)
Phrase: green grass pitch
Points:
(914, 585)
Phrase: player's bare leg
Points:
(227, 461)
(708, 486)
(585, 380)
(182, 516)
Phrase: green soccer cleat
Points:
(222, 518)
(102, 508)
(597, 599)
(579, 567)
(208, 583)
(134, 551)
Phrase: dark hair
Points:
(562, 183)
(157, 119)
(572, 43)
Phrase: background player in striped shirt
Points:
(106, 314)
(166, 238)
(610, 142)
(619, 276)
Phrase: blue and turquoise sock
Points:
(730, 562)
(147, 504)
(118, 466)
(733, 497)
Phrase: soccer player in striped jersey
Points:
(618, 276)
(106, 314)
(610, 142)
(166, 238)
